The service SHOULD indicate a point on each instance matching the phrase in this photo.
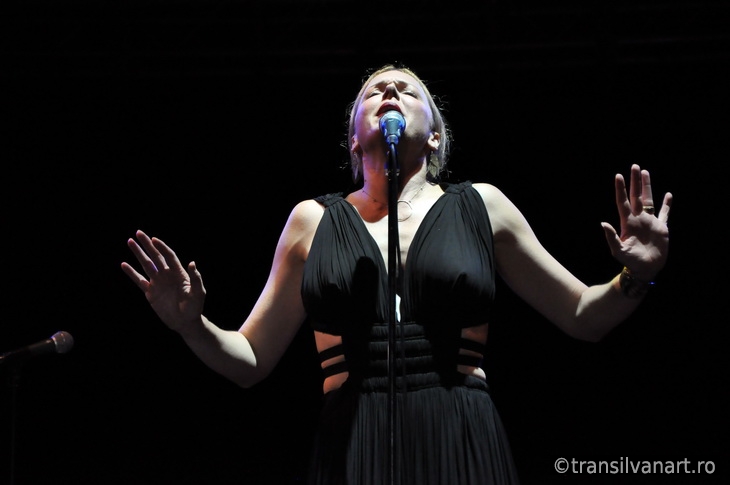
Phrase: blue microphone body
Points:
(392, 124)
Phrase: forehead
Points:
(397, 77)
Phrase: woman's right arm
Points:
(177, 295)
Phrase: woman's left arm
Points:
(584, 312)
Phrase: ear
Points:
(434, 140)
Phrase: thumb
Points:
(196, 279)
(612, 238)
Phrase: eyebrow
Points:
(398, 82)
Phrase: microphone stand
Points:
(14, 383)
(60, 342)
(393, 171)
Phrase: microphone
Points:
(392, 124)
(59, 343)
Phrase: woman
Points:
(331, 268)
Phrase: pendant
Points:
(404, 211)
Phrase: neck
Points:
(375, 183)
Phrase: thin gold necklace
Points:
(406, 208)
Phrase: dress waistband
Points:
(418, 365)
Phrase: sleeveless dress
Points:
(447, 431)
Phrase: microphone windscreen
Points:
(392, 124)
(63, 341)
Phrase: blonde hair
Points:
(437, 160)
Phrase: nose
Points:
(391, 91)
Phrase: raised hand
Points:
(643, 242)
(175, 293)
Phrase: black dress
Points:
(447, 430)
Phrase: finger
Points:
(647, 199)
(196, 279)
(666, 206)
(137, 278)
(612, 237)
(635, 189)
(622, 200)
(646, 195)
(152, 251)
(148, 265)
(166, 253)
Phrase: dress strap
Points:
(329, 199)
(332, 352)
(472, 346)
(333, 369)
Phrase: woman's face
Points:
(393, 90)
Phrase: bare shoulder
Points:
(489, 192)
(503, 214)
(307, 212)
(301, 226)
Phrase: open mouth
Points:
(389, 107)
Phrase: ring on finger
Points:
(649, 209)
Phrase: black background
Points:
(205, 122)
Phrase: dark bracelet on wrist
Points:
(631, 286)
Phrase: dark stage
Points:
(205, 122)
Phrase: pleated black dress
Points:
(447, 430)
